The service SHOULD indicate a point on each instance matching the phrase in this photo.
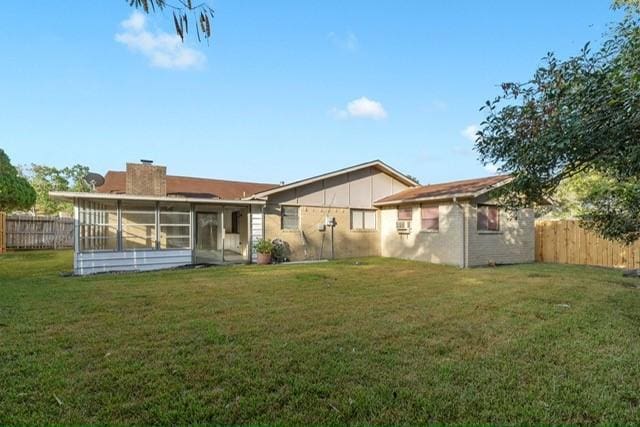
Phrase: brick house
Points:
(144, 219)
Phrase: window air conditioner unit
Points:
(403, 227)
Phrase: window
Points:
(488, 218)
(289, 217)
(234, 222)
(138, 225)
(405, 214)
(363, 219)
(175, 226)
(97, 226)
(430, 217)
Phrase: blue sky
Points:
(285, 90)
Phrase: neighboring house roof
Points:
(446, 190)
(374, 163)
(115, 183)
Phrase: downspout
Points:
(465, 237)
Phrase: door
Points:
(208, 238)
(236, 235)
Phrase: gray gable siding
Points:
(356, 189)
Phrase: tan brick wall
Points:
(146, 180)
(513, 244)
(442, 247)
(347, 243)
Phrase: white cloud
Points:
(135, 23)
(470, 132)
(362, 107)
(349, 42)
(163, 50)
(367, 108)
(338, 114)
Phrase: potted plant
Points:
(263, 247)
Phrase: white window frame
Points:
(189, 236)
(422, 218)
(486, 208)
(282, 216)
(124, 210)
(401, 208)
(87, 209)
(362, 226)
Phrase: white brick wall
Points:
(513, 244)
(442, 247)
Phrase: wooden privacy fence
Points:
(38, 232)
(565, 242)
(3, 245)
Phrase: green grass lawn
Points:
(382, 341)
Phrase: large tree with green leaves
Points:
(15, 191)
(575, 117)
(47, 178)
(570, 195)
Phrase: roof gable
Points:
(375, 163)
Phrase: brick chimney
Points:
(146, 179)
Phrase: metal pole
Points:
(332, 249)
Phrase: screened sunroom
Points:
(126, 232)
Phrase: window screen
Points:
(404, 214)
(290, 218)
(175, 226)
(430, 217)
(138, 225)
(488, 218)
(97, 226)
(363, 219)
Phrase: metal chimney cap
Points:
(146, 161)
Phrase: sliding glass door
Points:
(208, 238)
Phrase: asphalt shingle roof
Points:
(444, 190)
(115, 183)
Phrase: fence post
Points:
(55, 227)
(3, 232)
